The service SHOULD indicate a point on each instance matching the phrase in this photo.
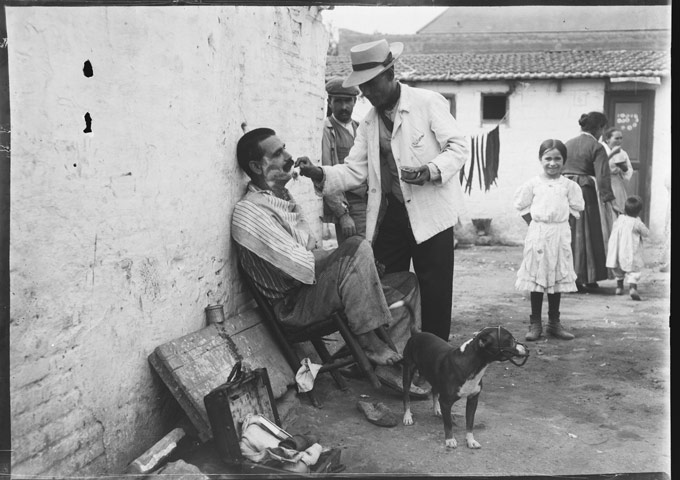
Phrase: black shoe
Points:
(593, 285)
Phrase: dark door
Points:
(633, 113)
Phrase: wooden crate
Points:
(194, 365)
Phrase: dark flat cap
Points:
(334, 88)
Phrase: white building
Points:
(534, 70)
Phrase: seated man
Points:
(304, 283)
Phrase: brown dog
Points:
(456, 373)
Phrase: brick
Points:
(49, 453)
(40, 404)
(65, 425)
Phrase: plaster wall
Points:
(538, 110)
(120, 236)
(660, 203)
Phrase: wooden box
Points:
(227, 407)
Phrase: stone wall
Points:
(122, 184)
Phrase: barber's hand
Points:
(616, 209)
(307, 169)
(416, 175)
(347, 225)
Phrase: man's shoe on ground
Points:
(377, 413)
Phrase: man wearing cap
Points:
(346, 209)
(409, 149)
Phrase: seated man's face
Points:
(342, 108)
(277, 163)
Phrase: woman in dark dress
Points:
(587, 164)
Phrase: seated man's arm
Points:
(254, 229)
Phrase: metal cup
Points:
(408, 173)
(214, 314)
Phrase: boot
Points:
(619, 287)
(535, 328)
(555, 328)
(633, 292)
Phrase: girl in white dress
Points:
(545, 202)
(624, 256)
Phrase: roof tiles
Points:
(521, 65)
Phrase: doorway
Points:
(633, 113)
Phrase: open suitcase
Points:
(249, 392)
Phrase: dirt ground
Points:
(598, 404)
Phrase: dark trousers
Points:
(395, 247)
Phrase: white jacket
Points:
(424, 131)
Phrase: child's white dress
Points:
(624, 253)
(548, 264)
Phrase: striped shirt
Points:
(272, 236)
(272, 282)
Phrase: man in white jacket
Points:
(410, 150)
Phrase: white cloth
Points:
(255, 440)
(624, 251)
(424, 131)
(548, 264)
(258, 445)
(306, 375)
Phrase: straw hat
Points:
(371, 59)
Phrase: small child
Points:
(545, 202)
(624, 255)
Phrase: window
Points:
(452, 103)
(494, 107)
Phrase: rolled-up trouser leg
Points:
(402, 291)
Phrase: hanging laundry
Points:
(491, 158)
(480, 158)
(484, 153)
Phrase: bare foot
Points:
(377, 351)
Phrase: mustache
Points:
(288, 165)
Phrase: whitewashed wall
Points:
(660, 201)
(120, 237)
(538, 110)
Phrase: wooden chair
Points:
(285, 336)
